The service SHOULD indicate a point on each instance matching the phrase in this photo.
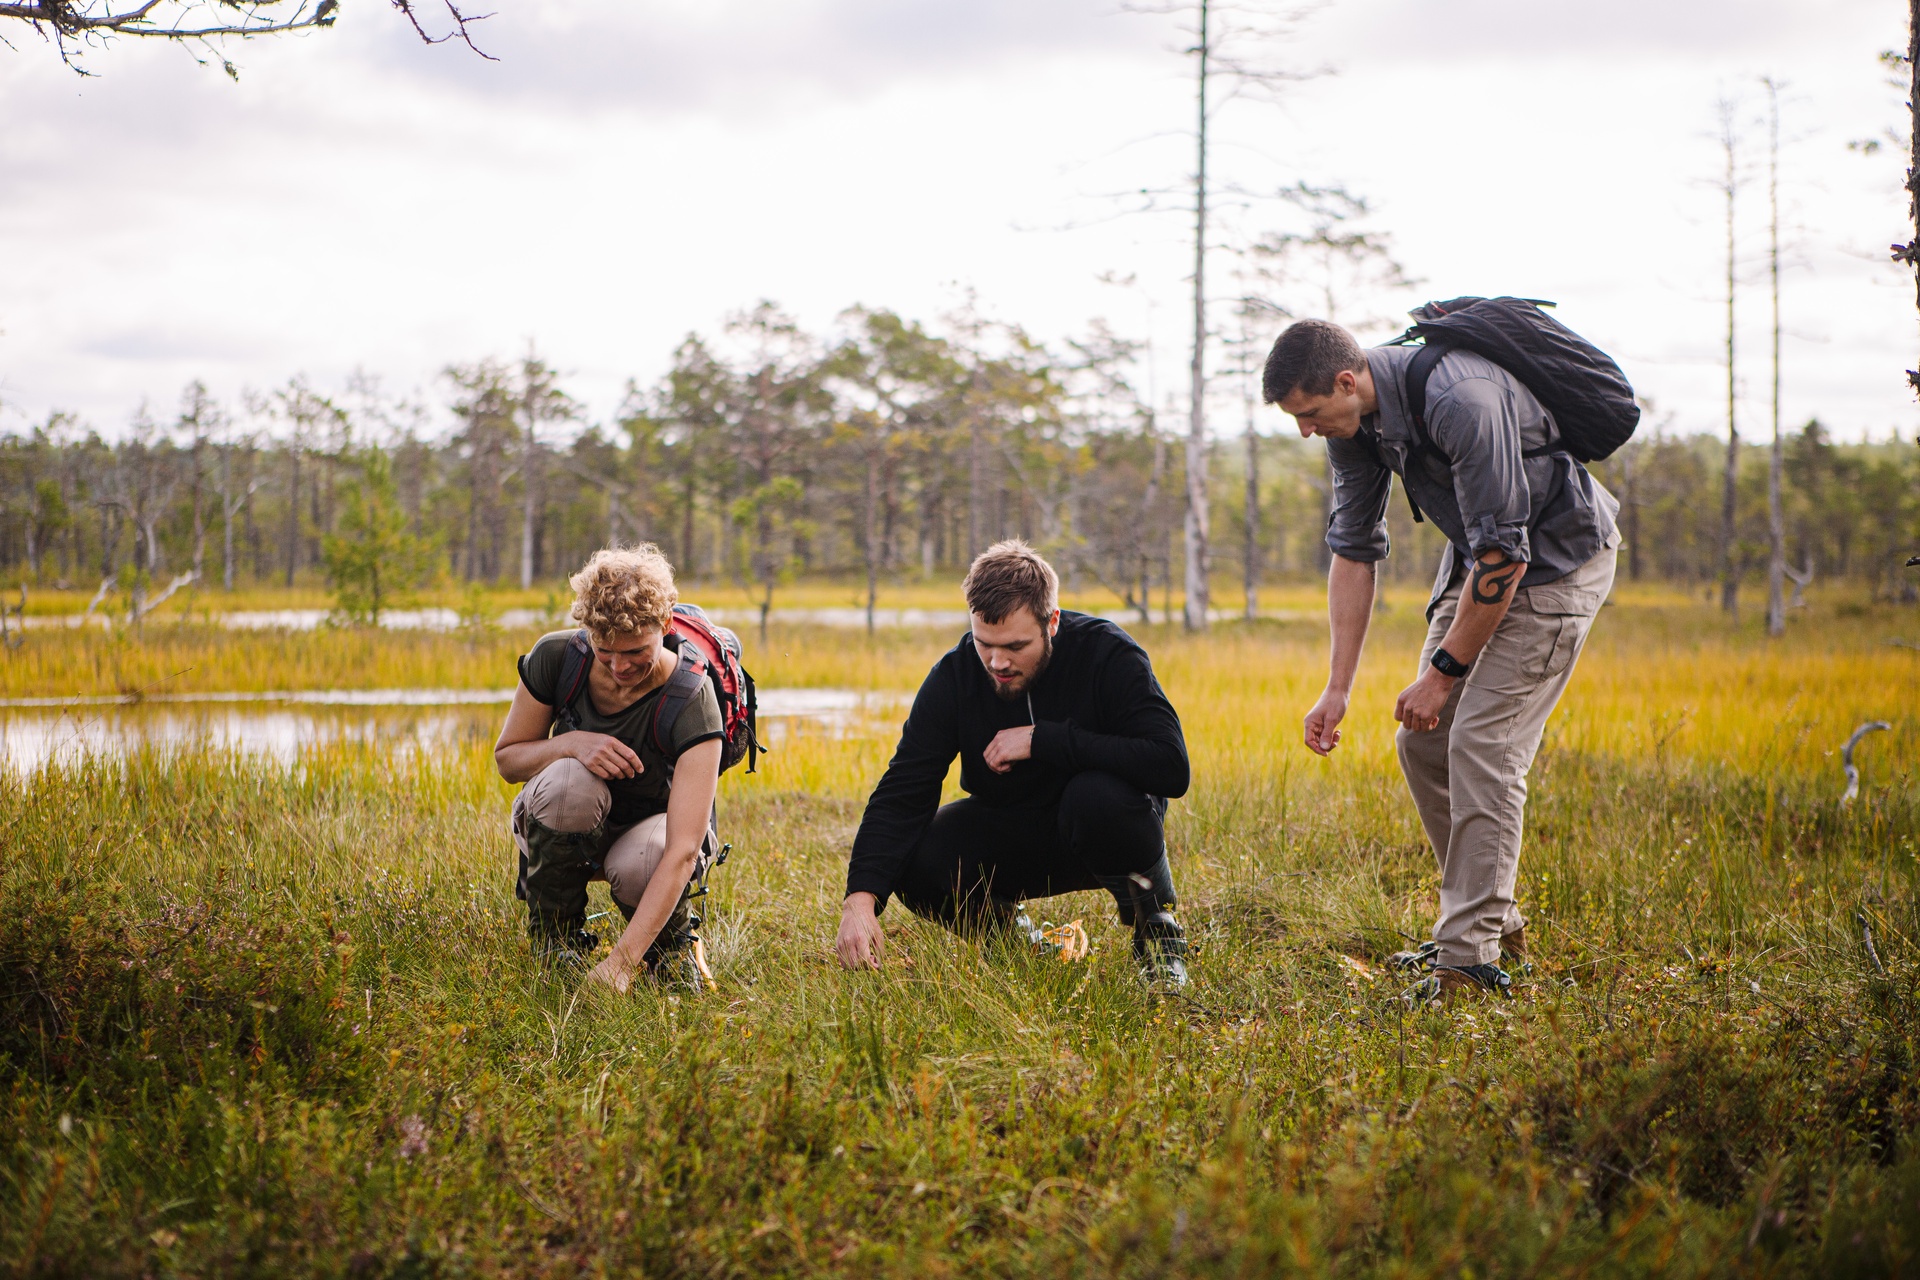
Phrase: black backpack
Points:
(1590, 399)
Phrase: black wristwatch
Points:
(1448, 665)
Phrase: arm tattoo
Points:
(1492, 578)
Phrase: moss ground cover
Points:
(265, 1020)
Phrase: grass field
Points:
(282, 1021)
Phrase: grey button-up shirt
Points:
(1547, 511)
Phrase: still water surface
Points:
(279, 726)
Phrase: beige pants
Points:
(565, 796)
(1469, 775)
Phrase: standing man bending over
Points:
(1068, 753)
(1529, 562)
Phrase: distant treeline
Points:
(890, 450)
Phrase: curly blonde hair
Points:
(622, 592)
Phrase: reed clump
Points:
(282, 1020)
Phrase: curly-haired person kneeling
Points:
(608, 797)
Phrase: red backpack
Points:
(707, 651)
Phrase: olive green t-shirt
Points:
(633, 798)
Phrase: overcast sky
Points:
(630, 170)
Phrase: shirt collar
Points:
(1388, 365)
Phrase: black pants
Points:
(973, 852)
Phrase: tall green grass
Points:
(261, 1020)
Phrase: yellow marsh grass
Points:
(1702, 1024)
(1661, 679)
(940, 593)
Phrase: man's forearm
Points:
(1488, 593)
(1350, 587)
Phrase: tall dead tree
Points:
(1221, 75)
(1196, 526)
(539, 400)
(1909, 253)
(1776, 516)
(1729, 493)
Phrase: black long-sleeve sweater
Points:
(1096, 706)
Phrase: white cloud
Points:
(629, 172)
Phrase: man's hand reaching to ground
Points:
(1492, 583)
(1350, 586)
(861, 937)
(1323, 722)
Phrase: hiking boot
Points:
(1421, 959)
(678, 956)
(1449, 982)
(1513, 952)
(1160, 949)
(1159, 941)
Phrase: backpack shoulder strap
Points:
(575, 663)
(682, 687)
(1419, 369)
(1414, 387)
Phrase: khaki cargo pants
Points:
(567, 800)
(1469, 775)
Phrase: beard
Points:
(1018, 690)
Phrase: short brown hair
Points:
(1307, 357)
(1011, 575)
(622, 592)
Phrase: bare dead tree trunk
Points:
(687, 565)
(226, 517)
(1251, 554)
(976, 487)
(869, 532)
(1196, 528)
(1776, 516)
(1909, 253)
(529, 461)
(1729, 570)
(1150, 518)
(1630, 507)
(199, 517)
(473, 514)
(293, 507)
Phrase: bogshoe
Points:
(1448, 982)
(1159, 942)
(1160, 949)
(1009, 919)
(1421, 959)
(675, 938)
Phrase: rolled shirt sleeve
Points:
(1475, 424)
(1357, 527)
